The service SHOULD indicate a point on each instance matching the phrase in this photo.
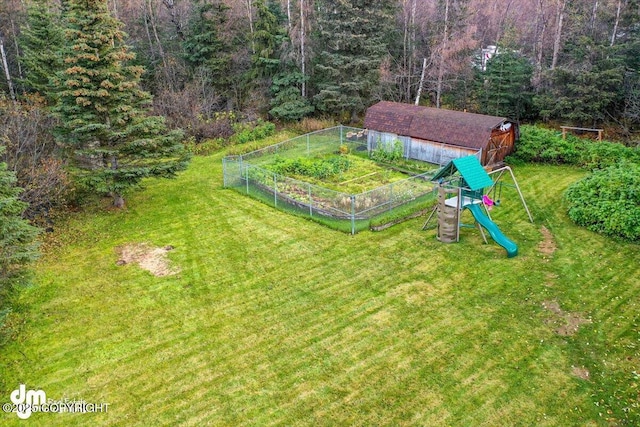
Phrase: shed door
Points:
(500, 145)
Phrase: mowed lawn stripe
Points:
(276, 320)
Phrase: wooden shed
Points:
(439, 136)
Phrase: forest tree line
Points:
(212, 64)
(570, 61)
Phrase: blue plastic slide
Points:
(494, 231)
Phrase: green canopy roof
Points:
(472, 172)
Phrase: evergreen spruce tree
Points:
(41, 40)
(589, 90)
(287, 102)
(205, 48)
(105, 127)
(18, 244)
(276, 57)
(504, 89)
(267, 38)
(352, 38)
(270, 42)
(204, 41)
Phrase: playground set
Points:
(464, 184)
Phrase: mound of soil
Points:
(154, 260)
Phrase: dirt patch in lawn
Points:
(149, 258)
(566, 324)
(580, 372)
(548, 244)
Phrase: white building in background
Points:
(487, 53)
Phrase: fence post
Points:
(390, 197)
(341, 135)
(224, 172)
(310, 202)
(353, 214)
(275, 190)
(246, 174)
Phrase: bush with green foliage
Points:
(540, 145)
(18, 243)
(600, 155)
(250, 132)
(607, 201)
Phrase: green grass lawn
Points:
(277, 320)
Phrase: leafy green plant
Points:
(388, 153)
(600, 155)
(311, 167)
(607, 201)
(203, 148)
(251, 132)
(540, 145)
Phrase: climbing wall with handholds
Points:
(447, 217)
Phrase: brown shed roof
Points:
(433, 124)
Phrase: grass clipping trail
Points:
(154, 260)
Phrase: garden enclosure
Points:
(253, 174)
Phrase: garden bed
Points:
(327, 175)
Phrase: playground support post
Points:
(459, 205)
(502, 171)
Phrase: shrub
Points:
(250, 132)
(204, 147)
(196, 115)
(309, 124)
(607, 201)
(542, 145)
(600, 155)
(31, 152)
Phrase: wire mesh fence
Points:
(248, 174)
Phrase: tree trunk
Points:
(405, 53)
(502, 19)
(115, 9)
(443, 53)
(175, 19)
(408, 46)
(17, 47)
(146, 19)
(558, 37)
(247, 3)
(152, 21)
(424, 69)
(118, 200)
(5, 66)
(303, 52)
(615, 25)
(541, 29)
